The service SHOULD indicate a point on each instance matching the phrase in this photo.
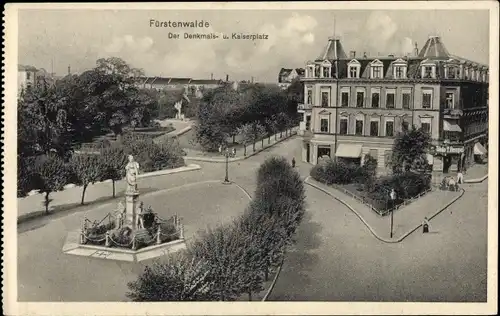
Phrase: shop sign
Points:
(449, 150)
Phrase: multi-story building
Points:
(286, 76)
(29, 76)
(355, 106)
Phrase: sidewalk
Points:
(406, 219)
(196, 155)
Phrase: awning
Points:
(451, 127)
(479, 149)
(348, 151)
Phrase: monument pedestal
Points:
(131, 209)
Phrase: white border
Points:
(11, 307)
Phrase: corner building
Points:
(355, 106)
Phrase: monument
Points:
(129, 233)
(131, 193)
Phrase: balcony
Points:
(301, 108)
(452, 113)
(304, 131)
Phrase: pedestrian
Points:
(460, 177)
(425, 225)
(293, 162)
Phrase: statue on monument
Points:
(132, 169)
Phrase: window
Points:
(425, 124)
(377, 72)
(353, 72)
(406, 100)
(405, 126)
(450, 100)
(359, 126)
(326, 72)
(309, 96)
(308, 122)
(427, 99)
(389, 101)
(360, 99)
(452, 72)
(28, 75)
(343, 126)
(374, 128)
(426, 127)
(375, 99)
(399, 72)
(427, 72)
(389, 128)
(387, 157)
(345, 98)
(324, 99)
(324, 125)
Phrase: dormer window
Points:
(326, 70)
(310, 71)
(354, 68)
(400, 68)
(451, 72)
(429, 72)
(377, 69)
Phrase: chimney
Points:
(227, 78)
(416, 49)
(212, 76)
(353, 54)
(364, 55)
(69, 70)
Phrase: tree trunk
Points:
(281, 134)
(276, 136)
(245, 150)
(269, 139)
(266, 274)
(234, 139)
(250, 296)
(262, 142)
(83, 193)
(47, 202)
(113, 180)
(253, 146)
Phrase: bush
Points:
(337, 172)
(406, 185)
(152, 156)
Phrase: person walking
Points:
(425, 225)
(293, 162)
(460, 177)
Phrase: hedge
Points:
(233, 259)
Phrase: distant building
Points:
(354, 106)
(29, 76)
(286, 76)
(191, 86)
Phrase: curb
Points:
(180, 132)
(389, 241)
(479, 180)
(190, 167)
(273, 283)
(222, 160)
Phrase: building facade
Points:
(194, 87)
(286, 76)
(354, 106)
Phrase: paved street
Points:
(336, 258)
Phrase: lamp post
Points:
(392, 195)
(226, 152)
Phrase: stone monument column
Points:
(131, 194)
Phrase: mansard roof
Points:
(434, 49)
(333, 50)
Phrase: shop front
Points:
(447, 158)
(349, 153)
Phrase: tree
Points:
(258, 131)
(114, 160)
(52, 174)
(247, 135)
(180, 278)
(409, 148)
(221, 249)
(87, 169)
(270, 125)
(281, 122)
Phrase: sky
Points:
(56, 39)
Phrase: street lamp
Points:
(226, 152)
(392, 195)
